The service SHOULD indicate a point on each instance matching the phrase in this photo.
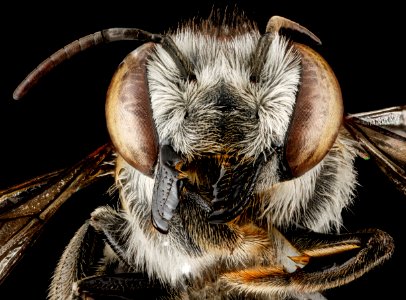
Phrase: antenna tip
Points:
(17, 95)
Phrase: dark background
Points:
(62, 119)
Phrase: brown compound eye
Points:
(128, 105)
(317, 115)
(129, 114)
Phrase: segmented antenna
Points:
(275, 24)
(77, 46)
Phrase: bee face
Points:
(222, 110)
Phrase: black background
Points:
(62, 119)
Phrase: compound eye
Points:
(317, 115)
(129, 114)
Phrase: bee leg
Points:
(123, 286)
(329, 261)
(110, 224)
(86, 255)
(125, 281)
(78, 261)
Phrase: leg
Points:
(121, 286)
(365, 249)
(78, 260)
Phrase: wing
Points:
(26, 208)
(382, 135)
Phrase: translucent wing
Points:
(25, 208)
(382, 135)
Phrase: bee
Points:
(233, 160)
